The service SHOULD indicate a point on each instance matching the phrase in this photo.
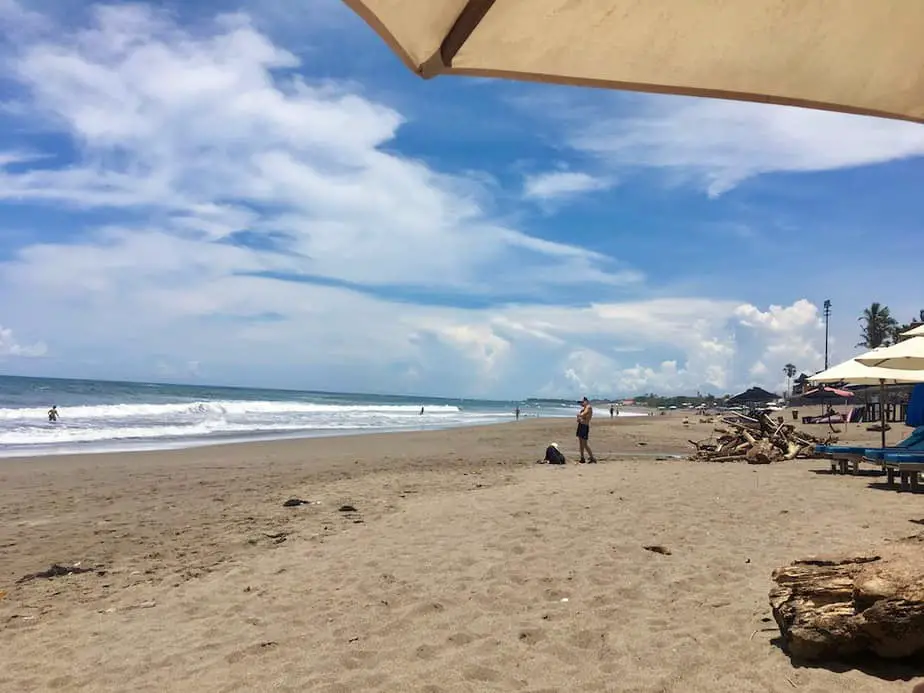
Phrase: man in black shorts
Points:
(583, 431)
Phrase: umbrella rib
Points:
(468, 20)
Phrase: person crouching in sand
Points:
(583, 431)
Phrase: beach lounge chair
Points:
(850, 456)
(908, 466)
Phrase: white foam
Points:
(219, 407)
(27, 431)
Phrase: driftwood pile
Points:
(756, 439)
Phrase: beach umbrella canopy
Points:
(906, 355)
(914, 332)
(853, 372)
(855, 56)
(752, 396)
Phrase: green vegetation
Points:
(654, 401)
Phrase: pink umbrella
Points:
(828, 393)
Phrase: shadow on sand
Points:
(862, 473)
(885, 669)
(895, 488)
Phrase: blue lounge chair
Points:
(844, 455)
(907, 465)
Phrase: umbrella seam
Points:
(468, 20)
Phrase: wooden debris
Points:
(847, 607)
(54, 571)
(756, 439)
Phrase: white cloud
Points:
(10, 347)
(210, 130)
(562, 184)
(780, 335)
(142, 301)
(204, 134)
(719, 144)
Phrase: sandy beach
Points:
(465, 566)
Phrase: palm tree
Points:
(878, 326)
(790, 371)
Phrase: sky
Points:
(259, 193)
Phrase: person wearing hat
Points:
(583, 431)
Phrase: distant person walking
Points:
(583, 431)
(53, 413)
(612, 411)
(517, 412)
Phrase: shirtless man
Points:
(583, 431)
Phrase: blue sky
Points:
(261, 194)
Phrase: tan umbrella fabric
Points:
(857, 56)
(906, 355)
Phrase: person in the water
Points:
(53, 413)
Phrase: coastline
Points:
(132, 446)
(465, 565)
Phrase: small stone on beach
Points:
(663, 550)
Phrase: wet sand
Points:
(464, 567)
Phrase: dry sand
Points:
(466, 567)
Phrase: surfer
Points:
(53, 413)
(421, 411)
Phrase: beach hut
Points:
(752, 396)
(843, 55)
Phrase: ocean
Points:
(100, 416)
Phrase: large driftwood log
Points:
(847, 607)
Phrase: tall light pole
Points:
(827, 314)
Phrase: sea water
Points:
(98, 416)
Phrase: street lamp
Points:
(827, 314)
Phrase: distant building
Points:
(800, 384)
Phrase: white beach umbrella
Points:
(856, 56)
(914, 332)
(854, 372)
(907, 355)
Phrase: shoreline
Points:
(333, 442)
(165, 444)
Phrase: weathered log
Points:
(726, 458)
(846, 607)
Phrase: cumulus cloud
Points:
(10, 347)
(557, 185)
(720, 144)
(208, 127)
(263, 229)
